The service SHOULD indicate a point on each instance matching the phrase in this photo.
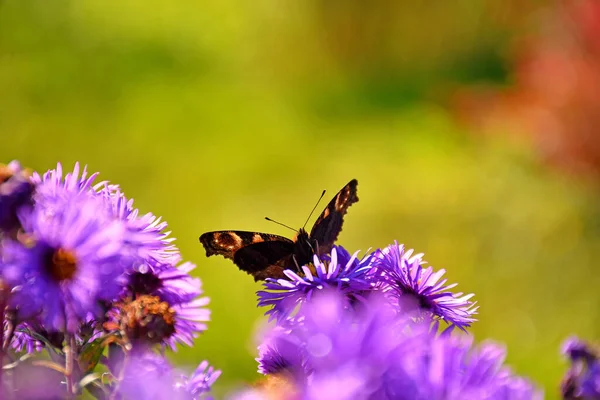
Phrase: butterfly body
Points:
(304, 248)
(265, 255)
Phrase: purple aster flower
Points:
(161, 305)
(415, 288)
(198, 384)
(582, 381)
(15, 191)
(22, 340)
(340, 271)
(148, 375)
(277, 355)
(72, 261)
(375, 353)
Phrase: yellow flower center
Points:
(146, 318)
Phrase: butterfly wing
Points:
(262, 255)
(227, 243)
(329, 224)
(265, 259)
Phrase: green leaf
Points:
(91, 352)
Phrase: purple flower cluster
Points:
(375, 352)
(350, 328)
(397, 273)
(81, 269)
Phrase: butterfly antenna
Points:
(279, 223)
(313, 210)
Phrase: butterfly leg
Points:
(316, 249)
(298, 269)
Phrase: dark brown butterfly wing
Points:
(265, 259)
(329, 224)
(264, 255)
(227, 243)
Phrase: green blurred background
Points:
(214, 114)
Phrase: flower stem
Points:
(69, 350)
(8, 333)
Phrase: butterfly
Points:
(264, 255)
